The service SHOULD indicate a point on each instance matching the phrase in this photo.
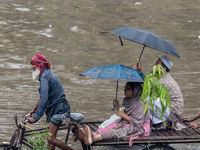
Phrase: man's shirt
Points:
(52, 97)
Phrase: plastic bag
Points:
(113, 119)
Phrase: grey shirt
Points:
(177, 104)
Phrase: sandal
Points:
(161, 127)
(82, 135)
(89, 136)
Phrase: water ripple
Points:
(23, 9)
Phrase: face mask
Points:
(36, 74)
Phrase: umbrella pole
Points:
(116, 90)
(121, 40)
(116, 96)
(141, 53)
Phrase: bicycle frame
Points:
(20, 134)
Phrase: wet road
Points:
(74, 36)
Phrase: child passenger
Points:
(132, 121)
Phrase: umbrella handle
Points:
(114, 106)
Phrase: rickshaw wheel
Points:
(159, 147)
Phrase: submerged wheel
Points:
(159, 147)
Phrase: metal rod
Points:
(116, 90)
(121, 41)
(141, 53)
(116, 96)
(68, 133)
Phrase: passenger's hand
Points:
(185, 119)
(137, 66)
(120, 113)
(193, 126)
(116, 104)
(31, 120)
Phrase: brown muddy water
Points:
(74, 36)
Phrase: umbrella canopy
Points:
(146, 38)
(115, 72)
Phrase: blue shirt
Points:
(52, 97)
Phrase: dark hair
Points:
(167, 69)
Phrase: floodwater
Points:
(74, 36)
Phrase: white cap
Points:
(168, 63)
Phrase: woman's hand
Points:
(193, 126)
(185, 119)
(120, 113)
(116, 104)
(123, 115)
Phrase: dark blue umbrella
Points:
(115, 72)
(146, 38)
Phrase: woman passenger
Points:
(132, 120)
